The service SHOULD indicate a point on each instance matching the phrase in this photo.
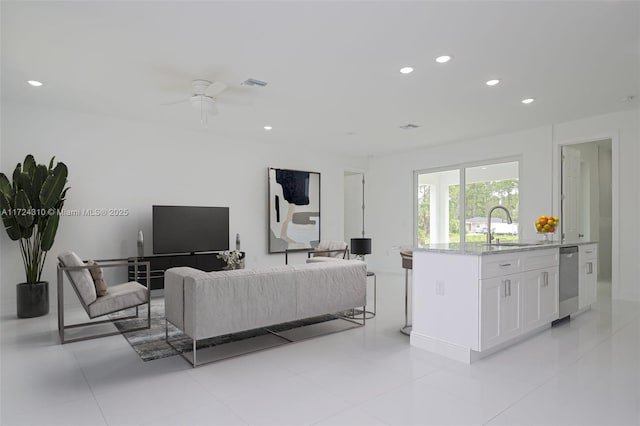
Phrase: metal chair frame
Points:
(313, 252)
(106, 263)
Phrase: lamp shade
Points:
(361, 246)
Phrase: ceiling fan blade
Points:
(215, 89)
(175, 102)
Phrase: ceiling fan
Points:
(205, 95)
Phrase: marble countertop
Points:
(480, 249)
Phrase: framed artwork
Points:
(294, 210)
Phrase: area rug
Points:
(150, 344)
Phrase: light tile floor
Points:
(583, 372)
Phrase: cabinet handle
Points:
(507, 287)
(588, 251)
(590, 268)
(504, 292)
(546, 278)
(504, 265)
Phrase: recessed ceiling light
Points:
(483, 168)
(34, 83)
(442, 59)
(268, 127)
(492, 82)
(528, 100)
(406, 70)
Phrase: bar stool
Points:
(407, 263)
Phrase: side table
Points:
(357, 313)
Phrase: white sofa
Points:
(209, 304)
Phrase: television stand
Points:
(159, 263)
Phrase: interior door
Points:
(570, 193)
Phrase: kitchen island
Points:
(470, 300)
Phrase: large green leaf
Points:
(49, 232)
(24, 183)
(23, 207)
(16, 178)
(5, 186)
(9, 220)
(53, 186)
(29, 165)
(39, 176)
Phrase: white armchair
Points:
(118, 297)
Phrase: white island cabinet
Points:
(478, 299)
(587, 275)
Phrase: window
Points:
(440, 203)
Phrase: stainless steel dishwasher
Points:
(568, 281)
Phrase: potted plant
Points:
(30, 208)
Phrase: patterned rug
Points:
(150, 344)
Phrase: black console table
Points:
(159, 263)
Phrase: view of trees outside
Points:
(423, 215)
(479, 198)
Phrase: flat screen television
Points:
(186, 229)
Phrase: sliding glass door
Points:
(445, 196)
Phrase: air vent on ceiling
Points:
(409, 126)
(254, 82)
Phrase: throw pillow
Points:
(98, 278)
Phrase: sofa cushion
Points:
(119, 297)
(81, 279)
(98, 278)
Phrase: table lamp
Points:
(360, 247)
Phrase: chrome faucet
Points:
(489, 235)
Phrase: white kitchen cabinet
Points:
(514, 303)
(466, 304)
(587, 275)
(500, 310)
(539, 297)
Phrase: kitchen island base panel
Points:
(464, 354)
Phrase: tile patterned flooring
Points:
(586, 371)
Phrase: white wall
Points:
(125, 164)
(390, 207)
(391, 198)
(352, 206)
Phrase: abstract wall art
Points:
(294, 210)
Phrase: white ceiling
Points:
(332, 67)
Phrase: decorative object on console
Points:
(30, 207)
(238, 242)
(233, 258)
(294, 210)
(140, 244)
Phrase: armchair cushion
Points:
(120, 297)
(81, 279)
(98, 278)
(326, 245)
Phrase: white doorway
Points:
(586, 198)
